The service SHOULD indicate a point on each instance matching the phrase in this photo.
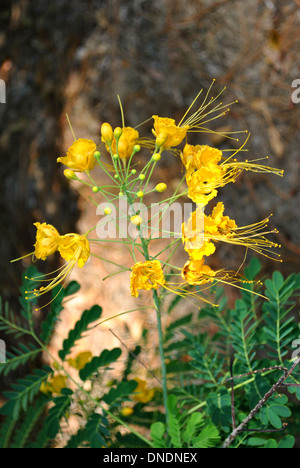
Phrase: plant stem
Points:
(161, 353)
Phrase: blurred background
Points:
(74, 57)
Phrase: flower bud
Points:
(97, 155)
(117, 132)
(161, 187)
(108, 211)
(107, 132)
(142, 176)
(140, 194)
(156, 157)
(136, 220)
(161, 139)
(95, 189)
(69, 174)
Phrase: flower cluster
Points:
(207, 169)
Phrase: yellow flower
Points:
(46, 240)
(198, 241)
(127, 411)
(196, 157)
(80, 360)
(80, 156)
(147, 275)
(195, 272)
(74, 248)
(217, 224)
(143, 394)
(203, 183)
(207, 170)
(126, 143)
(167, 133)
(54, 385)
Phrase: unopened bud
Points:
(95, 189)
(156, 157)
(69, 174)
(117, 132)
(108, 211)
(97, 155)
(136, 220)
(161, 187)
(140, 194)
(107, 132)
(161, 139)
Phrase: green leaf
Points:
(26, 427)
(61, 405)
(219, 408)
(253, 269)
(23, 392)
(81, 326)
(194, 423)
(174, 425)
(18, 357)
(274, 418)
(209, 437)
(121, 392)
(107, 357)
(287, 442)
(158, 430)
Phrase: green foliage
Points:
(23, 392)
(57, 412)
(258, 332)
(184, 430)
(88, 317)
(29, 421)
(106, 357)
(17, 357)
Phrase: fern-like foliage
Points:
(23, 392)
(88, 317)
(253, 339)
(184, 430)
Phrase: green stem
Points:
(161, 353)
(159, 327)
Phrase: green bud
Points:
(156, 157)
(97, 155)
